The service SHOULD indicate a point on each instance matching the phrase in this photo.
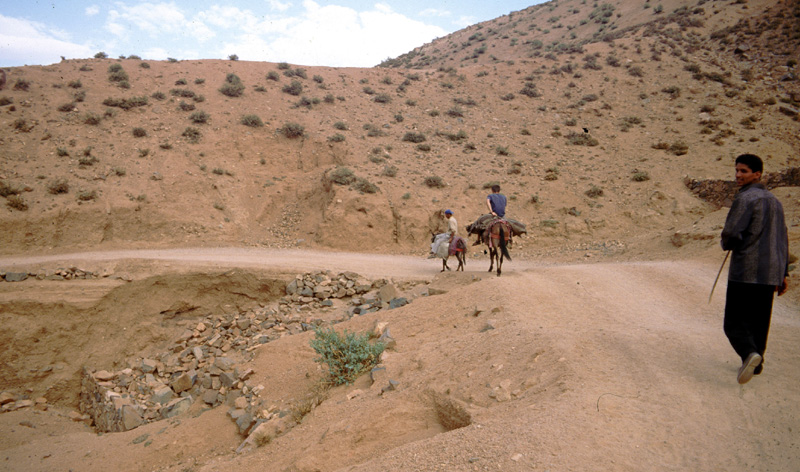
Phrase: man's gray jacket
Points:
(755, 231)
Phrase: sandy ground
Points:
(605, 366)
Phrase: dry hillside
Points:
(590, 117)
(197, 194)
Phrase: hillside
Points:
(135, 152)
(172, 233)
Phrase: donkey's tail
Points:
(503, 247)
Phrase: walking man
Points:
(755, 232)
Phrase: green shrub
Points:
(581, 139)
(347, 355)
(181, 82)
(199, 117)
(87, 195)
(389, 171)
(66, 107)
(22, 85)
(342, 176)
(272, 75)
(139, 132)
(92, 119)
(16, 202)
(101, 55)
(7, 190)
(434, 181)
(365, 186)
(159, 95)
(233, 86)
(594, 192)
(640, 176)
(233, 57)
(58, 186)
(293, 130)
(341, 125)
(295, 88)
(144, 65)
(337, 138)
(382, 98)
(62, 151)
(412, 137)
(252, 120)
(185, 106)
(192, 134)
(75, 84)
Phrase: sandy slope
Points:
(608, 366)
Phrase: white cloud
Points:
(434, 12)
(92, 10)
(28, 42)
(464, 21)
(154, 18)
(279, 6)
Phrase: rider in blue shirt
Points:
(496, 202)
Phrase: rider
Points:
(496, 202)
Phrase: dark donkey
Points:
(460, 245)
(498, 239)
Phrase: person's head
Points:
(748, 169)
(448, 213)
(495, 188)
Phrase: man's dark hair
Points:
(495, 188)
(752, 161)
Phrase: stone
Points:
(397, 302)
(387, 339)
(393, 384)
(176, 407)
(244, 423)
(379, 327)
(129, 418)
(378, 374)
(387, 293)
(163, 395)
(227, 379)
(243, 323)
(184, 382)
(210, 397)
(241, 403)
(224, 363)
(149, 366)
(16, 276)
(103, 375)
(7, 397)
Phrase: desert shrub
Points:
(412, 137)
(192, 134)
(21, 124)
(389, 171)
(346, 355)
(172, 60)
(368, 90)
(295, 88)
(186, 106)
(318, 79)
(22, 85)
(159, 95)
(62, 152)
(364, 186)
(298, 72)
(293, 130)
(16, 202)
(92, 119)
(594, 191)
(76, 84)
(640, 176)
(66, 107)
(529, 90)
(455, 112)
(87, 195)
(571, 122)
(636, 71)
(79, 96)
(337, 138)
(6, 190)
(144, 65)
(185, 93)
(144, 152)
(507, 97)
(233, 57)
(126, 103)
(101, 55)
(252, 120)
(165, 145)
(630, 121)
(181, 82)
(199, 81)
(117, 74)
(382, 98)
(433, 113)
(119, 171)
(329, 98)
(424, 147)
(434, 181)
(233, 86)
(342, 176)
(139, 132)
(679, 148)
(581, 139)
(501, 150)
(373, 131)
(6, 101)
(272, 75)
(340, 125)
(87, 160)
(673, 91)
(58, 186)
(199, 117)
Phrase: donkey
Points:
(459, 248)
(498, 238)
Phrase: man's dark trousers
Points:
(748, 311)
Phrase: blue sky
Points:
(342, 33)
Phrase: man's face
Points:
(745, 176)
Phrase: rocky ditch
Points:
(206, 362)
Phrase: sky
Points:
(340, 33)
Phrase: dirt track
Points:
(608, 366)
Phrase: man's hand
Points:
(782, 288)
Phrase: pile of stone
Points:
(11, 402)
(204, 361)
(49, 274)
